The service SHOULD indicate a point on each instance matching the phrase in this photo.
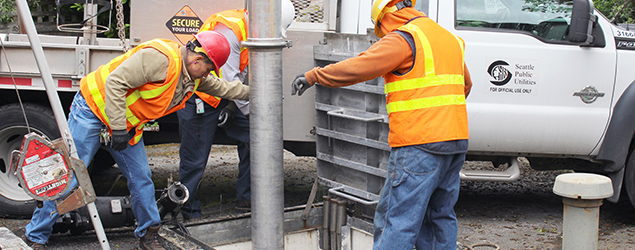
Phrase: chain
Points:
(120, 25)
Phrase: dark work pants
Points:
(197, 135)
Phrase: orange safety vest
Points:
(427, 103)
(238, 22)
(145, 103)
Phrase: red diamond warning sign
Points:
(184, 24)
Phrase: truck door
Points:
(534, 92)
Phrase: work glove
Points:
(119, 139)
(299, 85)
(227, 115)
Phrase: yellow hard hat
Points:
(380, 9)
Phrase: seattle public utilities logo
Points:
(499, 72)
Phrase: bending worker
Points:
(203, 113)
(427, 82)
(115, 101)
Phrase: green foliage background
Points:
(610, 7)
(7, 14)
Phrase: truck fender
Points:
(619, 134)
(617, 140)
(617, 178)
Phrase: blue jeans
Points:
(197, 135)
(416, 206)
(132, 161)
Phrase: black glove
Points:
(227, 115)
(119, 139)
(299, 85)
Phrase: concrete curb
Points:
(9, 241)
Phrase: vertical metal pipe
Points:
(25, 16)
(265, 121)
(581, 220)
(325, 224)
(341, 221)
(582, 195)
(90, 37)
(333, 223)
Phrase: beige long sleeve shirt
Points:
(149, 65)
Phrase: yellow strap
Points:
(241, 24)
(94, 92)
(169, 48)
(429, 102)
(427, 50)
(220, 72)
(138, 133)
(196, 83)
(385, 9)
(131, 117)
(148, 94)
(423, 82)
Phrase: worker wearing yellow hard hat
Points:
(427, 83)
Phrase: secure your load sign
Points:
(184, 24)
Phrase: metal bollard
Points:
(326, 245)
(333, 223)
(341, 221)
(582, 197)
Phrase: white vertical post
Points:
(582, 197)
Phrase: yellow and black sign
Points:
(184, 24)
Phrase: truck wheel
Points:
(629, 178)
(14, 202)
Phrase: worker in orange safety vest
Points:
(426, 85)
(205, 115)
(115, 101)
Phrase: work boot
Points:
(33, 245)
(151, 240)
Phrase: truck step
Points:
(512, 173)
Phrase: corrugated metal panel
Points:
(351, 125)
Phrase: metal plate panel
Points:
(352, 124)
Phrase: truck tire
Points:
(14, 202)
(629, 178)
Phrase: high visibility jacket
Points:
(148, 102)
(237, 21)
(427, 103)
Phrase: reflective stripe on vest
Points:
(237, 21)
(210, 99)
(147, 102)
(427, 103)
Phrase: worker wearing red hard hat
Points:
(204, 116)
(427, 82)
(115, 102)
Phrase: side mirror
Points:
(582, 20)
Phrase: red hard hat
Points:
(216, 46)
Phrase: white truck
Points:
(552, 83)
(72, 55)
